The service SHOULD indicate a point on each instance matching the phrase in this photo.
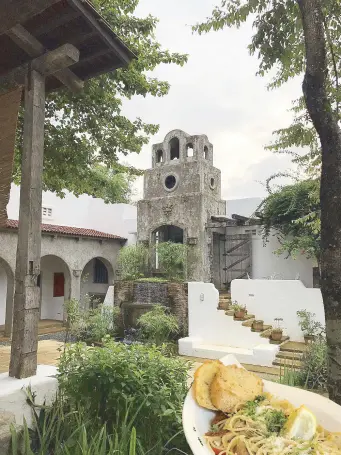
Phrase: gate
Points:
(234, 258)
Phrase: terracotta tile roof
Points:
(68, 230)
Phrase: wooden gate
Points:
(233, 254)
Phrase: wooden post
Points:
(27, 294)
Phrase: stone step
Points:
(248, 322)
(286, 363)
(258, 369)
(265, 329)
(283, 340)
(294, 346)
(229, 312)
(289, 355)
(245, 318)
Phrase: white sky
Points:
(216, 93)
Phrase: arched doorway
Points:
(96, 278)
(166, 233)
(55, 287)
(6, 297)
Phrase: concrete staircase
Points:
(290, 353)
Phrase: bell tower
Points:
(181, 192)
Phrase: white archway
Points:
(55, 287)
(6, 297)
(97, 276)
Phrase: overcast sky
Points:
(216, 93)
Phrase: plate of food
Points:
(229, 410)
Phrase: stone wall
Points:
(136, 298)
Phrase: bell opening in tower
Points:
(174, 145)
(167, 233)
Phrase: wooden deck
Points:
(45, 326)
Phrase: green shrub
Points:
(315, 365)
(158, 326)
(308, 324)
(102, 380)
(172, 259)
(133, 262)
(91, 325)
(64, 430)
(313, 374)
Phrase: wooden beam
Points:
(57, 22)
(125, 57)
(35, 48)
(50, 63)
(23, 361)
(13, 12)
(53, 61)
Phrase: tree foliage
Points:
(292, 212)
(278, 42)
(86, 133)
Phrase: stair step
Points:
(245, 318)
(229, 312)
(294, 346)
(248, 322)
(258, 369)
(286, 363)
(265, 329)
(284, 338)
(266, 333)
(289, 355)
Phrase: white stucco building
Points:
(81, 238)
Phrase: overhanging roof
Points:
(63, 22)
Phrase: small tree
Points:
(133, 262)
(293, 213)
(173, 259)
(158, 326)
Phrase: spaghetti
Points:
(257, 428)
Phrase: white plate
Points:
(196, 420)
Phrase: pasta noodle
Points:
(257, 429)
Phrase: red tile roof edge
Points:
(68, 230)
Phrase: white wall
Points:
(213, 334)
(266, 263)
(84, 212)
(53, 307)
(270, 299)
(3, 294)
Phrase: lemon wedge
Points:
(301, 424)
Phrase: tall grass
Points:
(58, 430)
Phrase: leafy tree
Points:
(86, 133)
(296, 36)
(173, 259)
(293, 211)
(133, 261)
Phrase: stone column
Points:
(76, 284)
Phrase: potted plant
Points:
(277, 331)
(239, 310)
(310, 327)
(257, 325)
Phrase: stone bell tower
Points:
(181, 193)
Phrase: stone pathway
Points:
(48, 354)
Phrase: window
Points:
(58, 285)
(206, 152)
(159, 156)
(212, 183)
(251, 231)
(170, 182)
(46, 212)
(100, 272)
(190, 151)
(174, 148)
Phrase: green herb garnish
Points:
(251, 406)
(275, 420)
